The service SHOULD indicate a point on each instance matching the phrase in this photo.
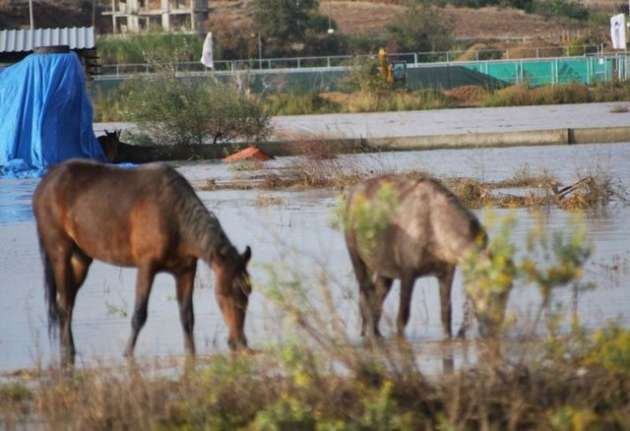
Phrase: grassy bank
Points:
(292, 389)
(112, 107)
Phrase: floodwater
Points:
(294, 238)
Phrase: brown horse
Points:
(149, 218)
(423, 230)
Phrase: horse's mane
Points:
(197, 224)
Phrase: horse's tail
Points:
(50, 289)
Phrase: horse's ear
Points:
(106, 132)
(118, 132)
(247, 254)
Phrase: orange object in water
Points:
(250, 153)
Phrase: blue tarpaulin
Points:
(45, 115)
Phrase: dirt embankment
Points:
(487, 22)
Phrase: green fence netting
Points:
(490, 74)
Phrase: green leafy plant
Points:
(177, 111)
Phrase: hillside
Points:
(351, 17)
(488, 22)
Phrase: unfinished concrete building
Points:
(167, 15)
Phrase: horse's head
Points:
(109, 142)
(232, 289)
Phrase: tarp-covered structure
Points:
(45, 115)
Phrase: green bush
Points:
(420, 28)
(610, 349)
(178, 111)
(560, 8)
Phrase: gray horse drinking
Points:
(397, 227)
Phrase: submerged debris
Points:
(523, 190)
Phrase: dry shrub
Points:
(102, 399)
(522, 94)
(468, 95)
(472, 52)
(316, 149)
(336, 97)
(592, 192)
(534, 49)
(472, 193)
(514, 95)
(560, 94)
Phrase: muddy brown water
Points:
(295, 237)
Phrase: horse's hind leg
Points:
(382, 286)
(404, 308)
(66, 294)
(144, 280)
(445, 279)
(75, 270)
(185, 285)
(366, 288)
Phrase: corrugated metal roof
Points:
(26, 40)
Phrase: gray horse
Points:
(404, 228)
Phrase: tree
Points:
(290, 26)
(285, 20)
(421, 28)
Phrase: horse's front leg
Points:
(146, 274)
(185, 285)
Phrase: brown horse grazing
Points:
(110, 143)
(424, 230)
(149, 218)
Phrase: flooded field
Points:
(294, 235)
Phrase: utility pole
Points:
(30, 14)
(94, 14)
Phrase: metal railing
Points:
(328, 62)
